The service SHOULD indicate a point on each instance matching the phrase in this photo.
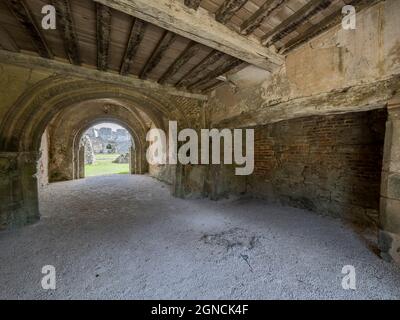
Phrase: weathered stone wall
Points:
(327, 164)
(222, 182)
(18, 189)
(43, 162)
(192, 179)
(13, 82)
(389, 237)
(18, 180)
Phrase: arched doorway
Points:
(105, 149)
(68, 106)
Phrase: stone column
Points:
(389, 235)
(132, 162)
(178, 181)
(81, 174)
(19, 204)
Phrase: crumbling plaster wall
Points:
(340, 71)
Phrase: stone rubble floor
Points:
(126, 237)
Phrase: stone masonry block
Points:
(390, 215)
(390, 185)
(389, 244)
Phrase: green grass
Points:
(104, 166)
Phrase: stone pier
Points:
(389, 238)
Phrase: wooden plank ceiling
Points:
(281, 24)
(94, 36)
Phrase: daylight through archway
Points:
(106, 149)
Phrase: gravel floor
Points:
(126, 237)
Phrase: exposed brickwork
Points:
(188, 108)
(329, 164)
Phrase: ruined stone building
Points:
(109, 141)
(317, 80)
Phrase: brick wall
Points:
(330, 164)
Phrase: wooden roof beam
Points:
(192, 4)
(6, 41)
(67, 30)
(199, 26)
(325, 24)
(227, 66)
(165, 42)
(103, 20)
(298, 18)
(194, 73)
(255, 21)
(228, 9)
(24, 16)
(190, 51)
(135, 39)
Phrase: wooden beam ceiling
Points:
(227, 66)
(135, 39)
(200, 27)
(25, 18)
(103, 26)
(192, 4)
(166, 41)
(212, 58)
(255, 21)
(328, 22)
(191, 50)
(67, 30)
(298, 18)
(104, 17)
(228, 9)
(176, 19)
(7, 41)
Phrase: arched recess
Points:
(27, 120)
(67, 128)
(137, 162)
(23, 126)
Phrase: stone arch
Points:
(138, 163)
(23, 125)
(67, 127)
